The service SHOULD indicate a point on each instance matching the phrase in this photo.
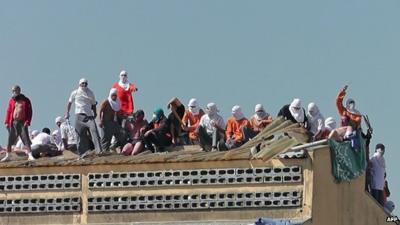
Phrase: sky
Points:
(227, 51)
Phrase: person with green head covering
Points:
(158, 135)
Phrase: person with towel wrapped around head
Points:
(316, 121)
(191, 120)
(329, 126)
(261, 119)
(158, 134)
(108, 120)
(85, 114)
(238, 129)
(294, 112)
(211, 129)
(18, 119)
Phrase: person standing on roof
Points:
(85, 114)
(108, 120)
(191, 120)
(125, 91)
(378, 170)
(238, 129)
(211, 129)
(294, 112)
(67, 134)
(261, 119)
(316, 121)
(18, 119)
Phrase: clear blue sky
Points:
(230, 52)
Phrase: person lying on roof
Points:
(294, 112)
(261, 119)
(137, 130)
(191, 120)
(158, 135)
(211, 129)
(316, 121)
(238, 129)
(176, 123)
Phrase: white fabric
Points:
(83, 99)
(82, 80)
(378, 169)
(237, 112)
(316, 120)
(68, 133)
(260, 113)
(20, 144)
(194, 107)
(57, 138)
(208, 122)
(41, 139)
(389, 207)
(351, 107)
(212, 109)
(298, 114)
(123, 80)
(115, 105)
(330, 123)
(59, 119)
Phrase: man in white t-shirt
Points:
(378, 170)
(43, 145)
(211, 128)
(85, 114)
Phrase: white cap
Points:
(59, 119)
(123, 73)
(258, 108)
(35, 132)
(55, 133)
(82, 80)
(193, 102)
(212, 107)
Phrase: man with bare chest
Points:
(18, 119)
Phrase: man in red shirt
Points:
(18, 119)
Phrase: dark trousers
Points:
(158, 139)
(72, 147)
(47, 150)
(378, 195)
(16, 130)
(247, 133)
(110, 129)
(207, 140)
(83, 126)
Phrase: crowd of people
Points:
(128, 132)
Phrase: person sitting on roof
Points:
(137, 130)
(329, 126)
(294, 112)
(261, 119)
(238, 129)
(351, 118)
(56, 139)
(316, 121)
(211, 129)
(179, 137)
(68, 135)
(191, 120)
(43, 145)
(158, 134)
(108, 120)
(378, 170)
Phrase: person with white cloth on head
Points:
(316, 121)
(66, 134)
(238, 129)
(125, 90)
(294, 112)
(378, 170)
(85, 114)
(261, 119)
(329, 126)
(211, 129)
(108, 120)
(191, 120)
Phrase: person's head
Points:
(237, 112)
(194, 106)
(16, 90)
(380, 148)
(139, 115)
(123, 76)
(113, 94)
(83, 83)
(158, 113)
(46, 130)
(59, 120)
(55, 133)
(174, 103)
(330, 123)
(211, 109)
(296, 105)
(312, 109)
(34, 133)
(350, 104)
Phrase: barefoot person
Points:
(18, 119)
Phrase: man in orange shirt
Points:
(191, 120)
(238, 129)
